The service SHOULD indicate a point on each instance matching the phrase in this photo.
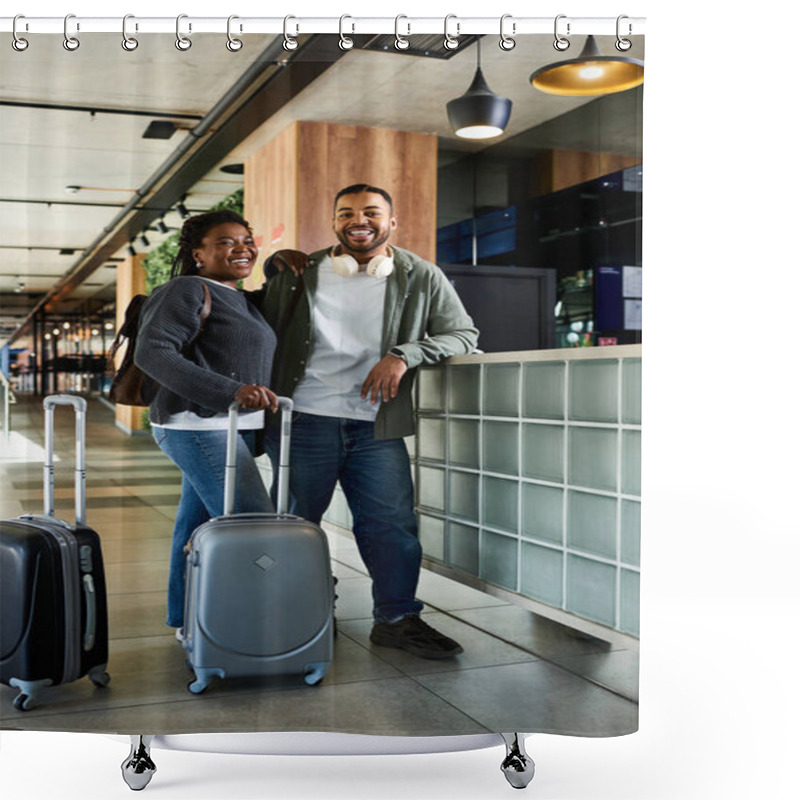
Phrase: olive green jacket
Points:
(423, 317)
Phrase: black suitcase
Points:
(53, 611)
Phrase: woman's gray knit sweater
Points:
(236, 347)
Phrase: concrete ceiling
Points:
(77, 119)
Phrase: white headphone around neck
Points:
(346, 266)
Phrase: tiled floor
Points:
(519, 671)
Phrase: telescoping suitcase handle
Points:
(286, 405)
(79, 405)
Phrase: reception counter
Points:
(527, 468)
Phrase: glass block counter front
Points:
(527, 469)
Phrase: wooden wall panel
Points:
(570, 168)
(324, 155)
(293, 179)
(403, 163)
(270, 197)
(130, 281)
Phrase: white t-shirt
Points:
(189, 421)
(347, 320)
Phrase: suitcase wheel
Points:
(316, 672)
(203, 677)
(28, 690)
(101, 679)
(22, 702)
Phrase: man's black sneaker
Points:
(416, 637)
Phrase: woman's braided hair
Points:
(192, 233)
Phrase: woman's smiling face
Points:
(227, 253)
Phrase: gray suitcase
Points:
(259, 587)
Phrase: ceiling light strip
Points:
(598, 26)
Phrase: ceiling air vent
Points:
(427, 45)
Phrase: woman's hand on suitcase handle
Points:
(255, 396)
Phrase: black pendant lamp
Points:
(590, 73)
(479, 113)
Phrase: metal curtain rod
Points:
(345, 25)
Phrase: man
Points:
(352, 328)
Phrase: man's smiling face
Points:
(363, 223)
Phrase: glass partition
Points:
(528, 477)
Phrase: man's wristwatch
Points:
(398, 353)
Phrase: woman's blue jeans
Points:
(200, 456)
(375, 475)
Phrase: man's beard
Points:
(378, 239)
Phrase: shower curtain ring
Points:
(18, 43)
(129, 43)
(70, 42)
(450, 41)
(289, 43)
(182, 42)
(233, 44)
(506, 41)
(623, 44)
(345, 42)
(560, 42)
(400, 42)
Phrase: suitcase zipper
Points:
(72, 605)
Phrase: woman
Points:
(202, 366)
